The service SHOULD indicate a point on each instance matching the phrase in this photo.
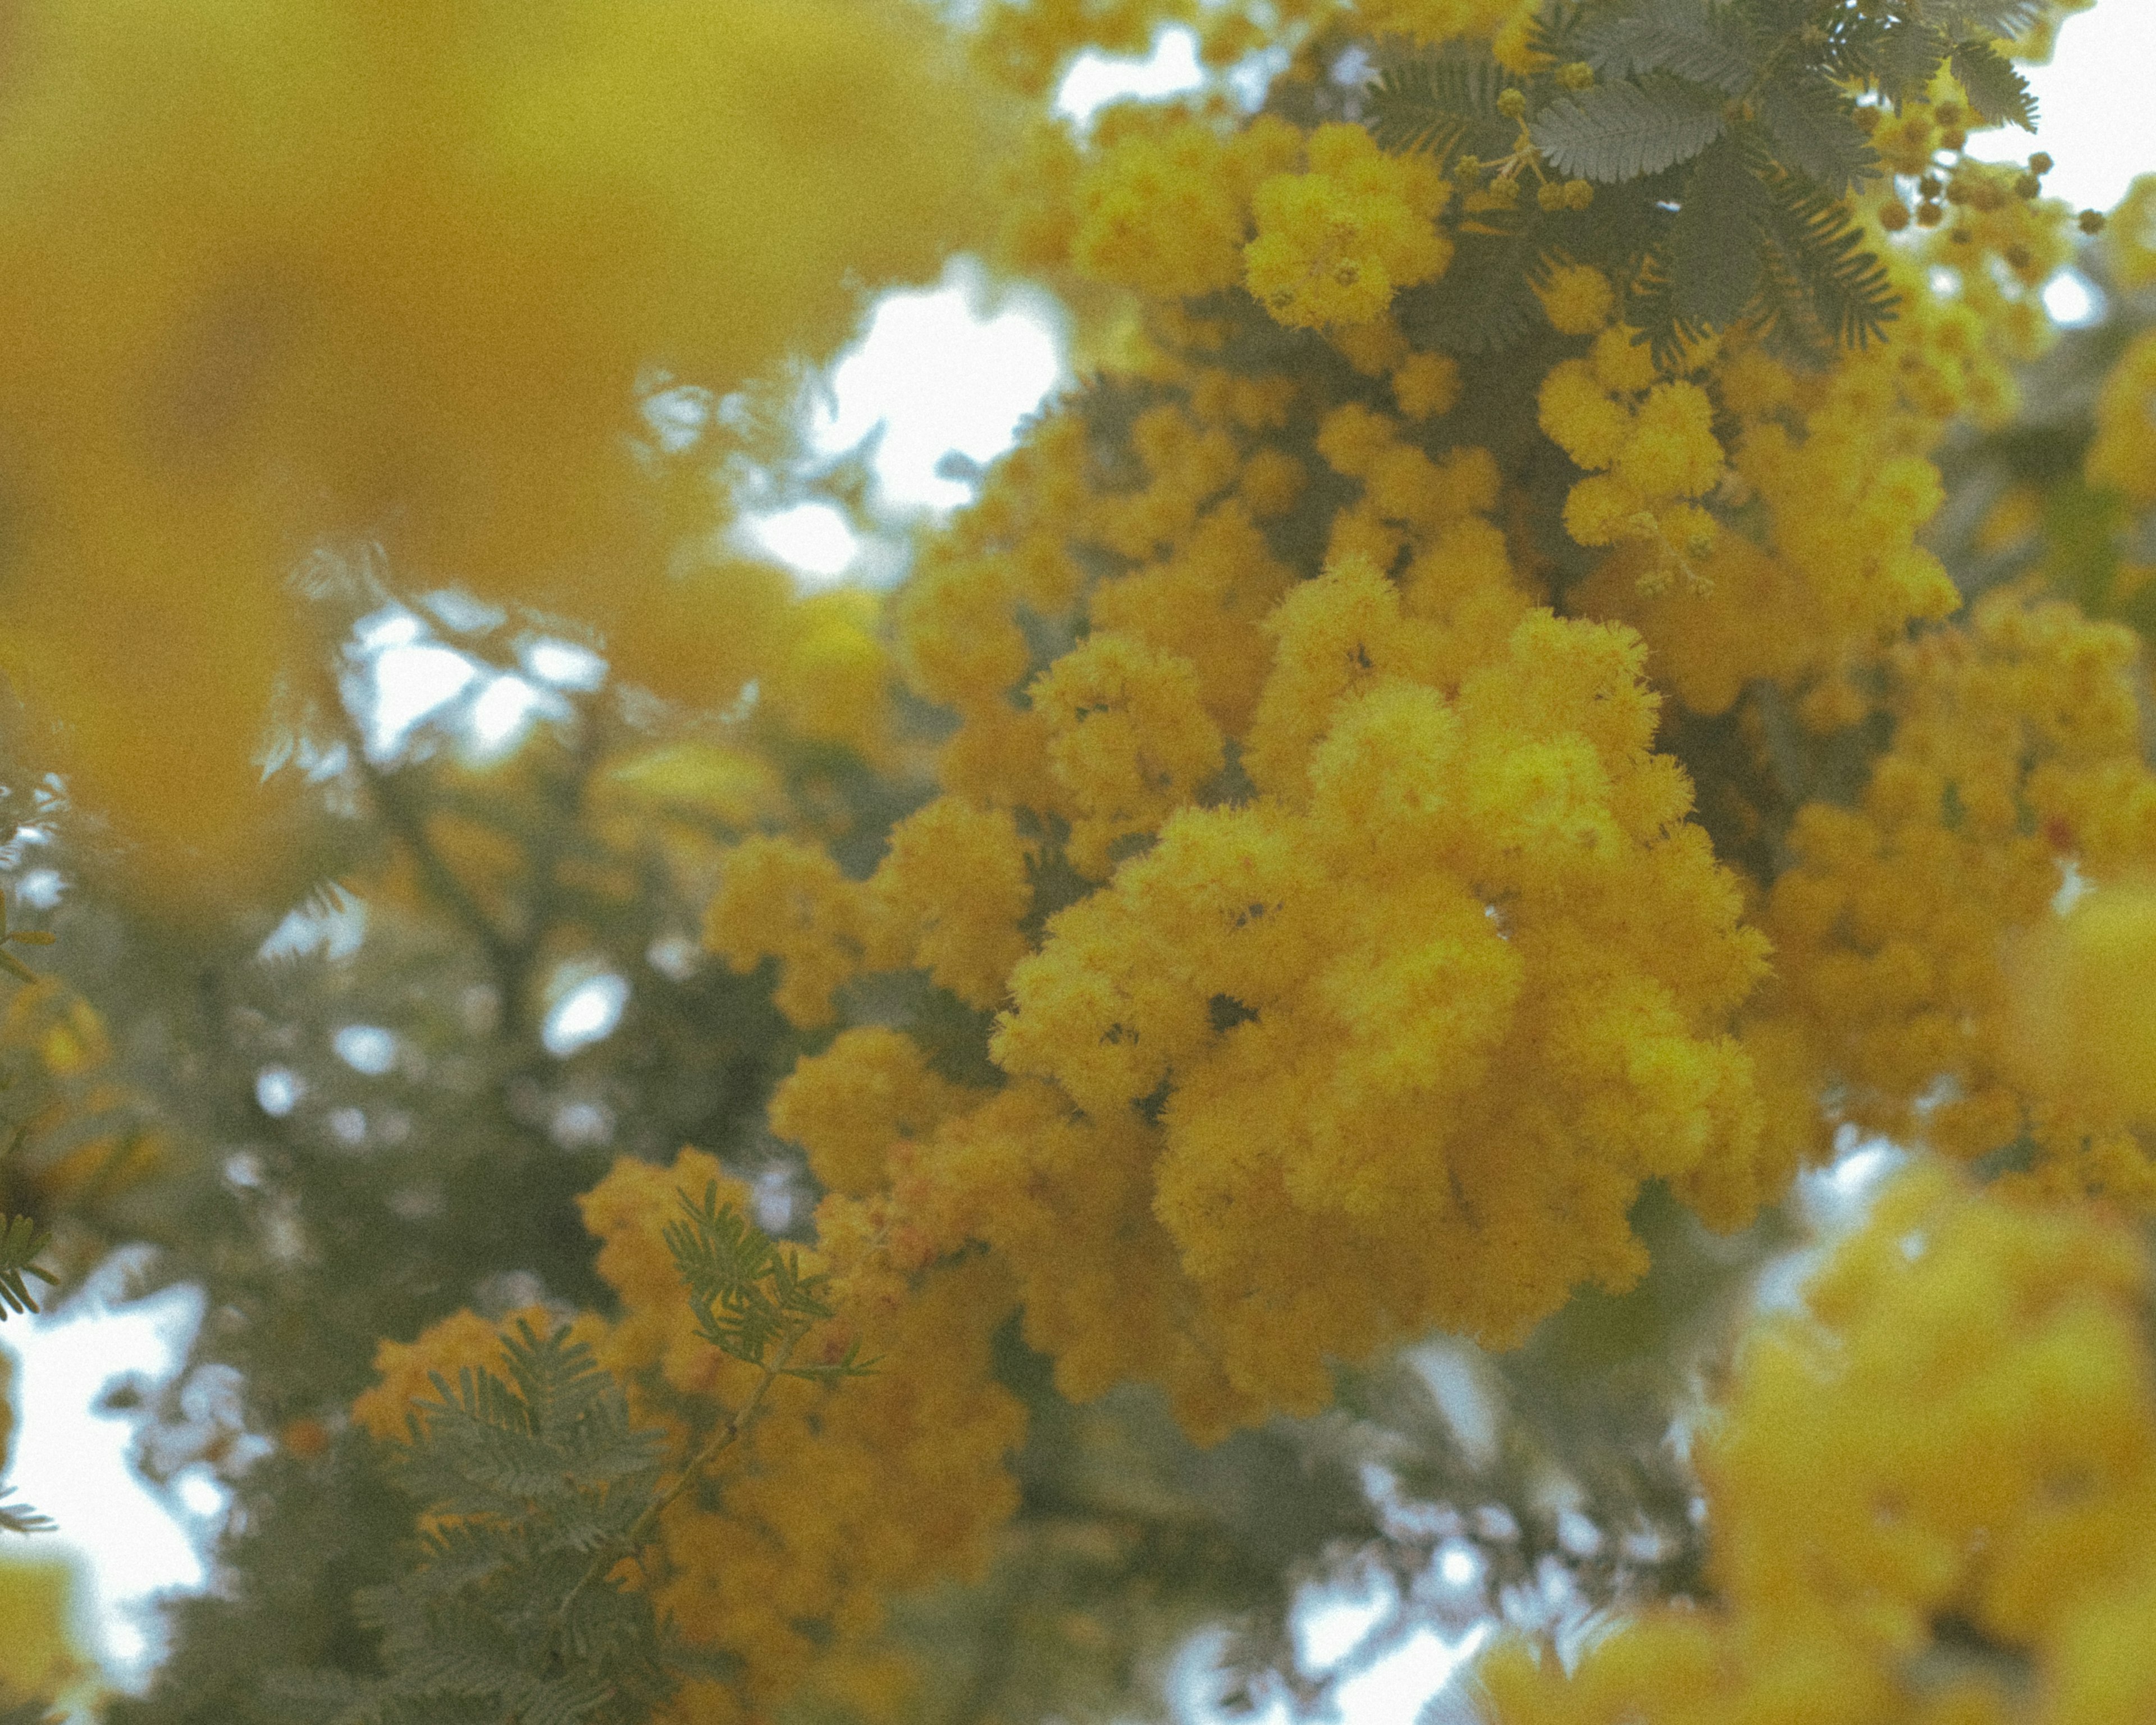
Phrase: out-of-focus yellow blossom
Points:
(42, 1657)
(1504, 22)
(2016, 747)
(2124, 451)
(1334, 244)
(781, 899)
(828, 679)
(956, 881)
(1952, 1448)
(1426, 385)
(2084, 994)
(285, 273)
(870, 1089)
(2129, 237)
(89, 1137)
(1578, 300)
(1166, 210)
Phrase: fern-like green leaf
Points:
(1996, 88)
(1622, 131)
(1821, 287)
(1486, 301)
(1905, 57)
(1441, 105)
(1814, 133)
(1714, 241)
(1994, 17)
(1690, 38)
(19, 1517)
(21, 1241)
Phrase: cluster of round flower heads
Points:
(1929, 1491)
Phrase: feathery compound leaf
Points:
(744, 1292)
(1443, 105)
(1689, 37)
(1822, 288)
(533, 1485)
(20, 1517)
(1996, 88)
(1486, 300)
(1814, 133)
(1619, 131)
(1906, 56)
(1996, 17)
(1714, 242)
(21, 1240)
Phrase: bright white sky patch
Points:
(940, 372)
(1399, 1685)
(1098, 78)
(507, 706)
(2073, 300)
(367, 1049)
(73, 1466)
(812, 538)
(2097, 123)
(564, 664)
(411, 681)
(1332, 1622)
(586, 1014)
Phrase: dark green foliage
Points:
(1445, 106)
(747, 1295)
(21, 1241)
(1721, 138)
(1807, 121)
(1680, 37)
(1821, 286)
(1996, 89)
(1714, 248)
(525, 1480)
(1622, 131)
(19, 1517)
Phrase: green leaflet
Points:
(21, 1241)
(19, 1517)
(1814, 133)
(1714, 250)
(1687, 38)
(1996, 89)
(1996, 17)
(1622, 131)
(526, 1478)
(1445, 107)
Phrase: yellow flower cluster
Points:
(2017, 747)
(284, 273)
(1648, 445)
(1163, 206)
(1833, 472)
(1326, 995)
(2123, 453)
(839, 1497)
(1929, 1496)
(1334, 244)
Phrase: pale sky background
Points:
(949, 370)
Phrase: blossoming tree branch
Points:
(1273, 1017)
